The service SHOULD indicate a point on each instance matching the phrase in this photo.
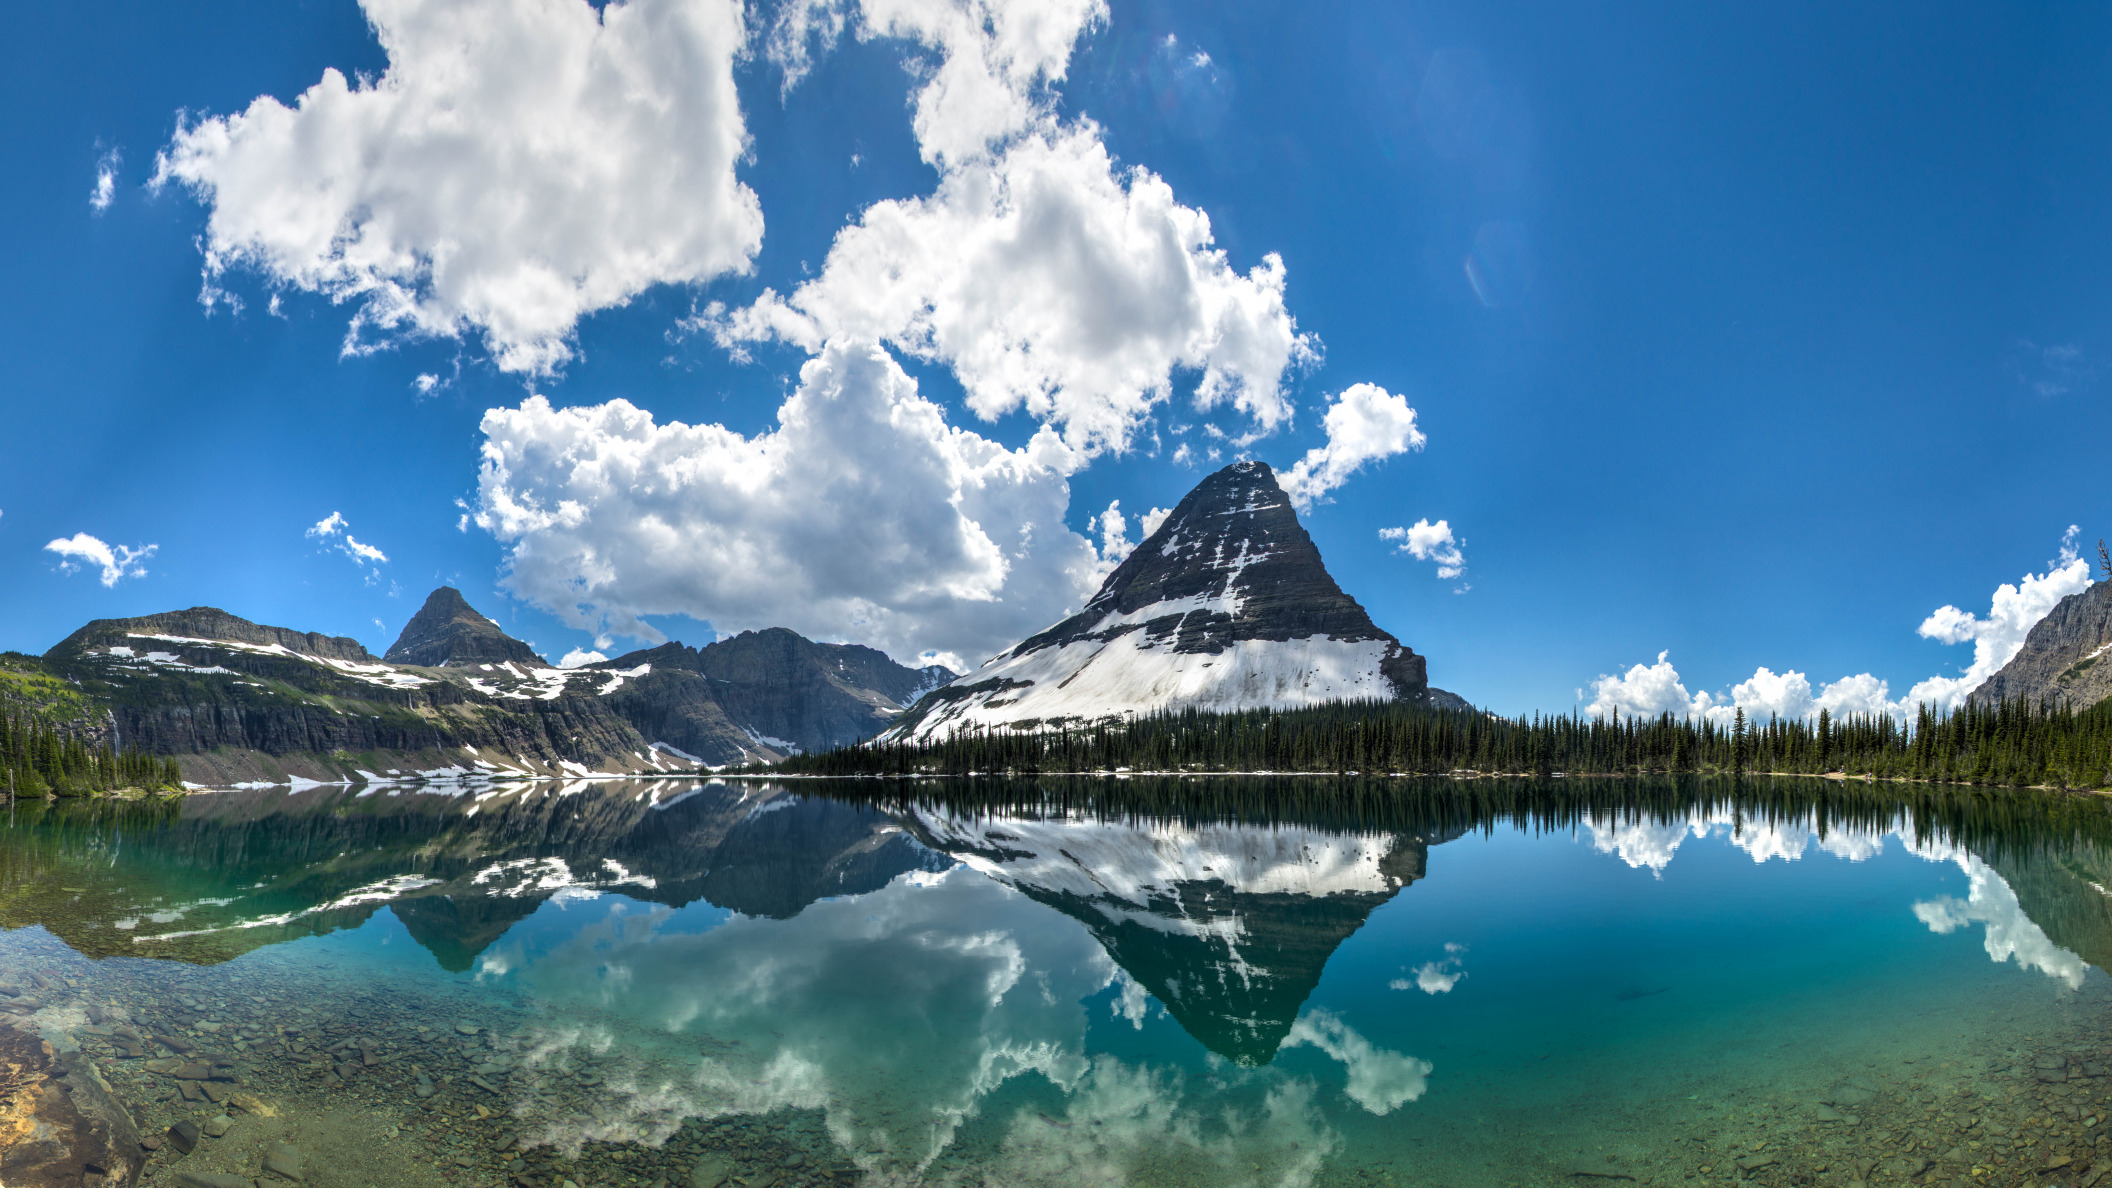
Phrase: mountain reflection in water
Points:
(885, 954)
(1222, 899)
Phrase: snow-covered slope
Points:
(1227, 606)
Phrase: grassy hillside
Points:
(28, 686)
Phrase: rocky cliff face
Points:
(763, 694)
(237, 700)
(234, 699)
(2064, 658)
(1227, 606)
(447, 631)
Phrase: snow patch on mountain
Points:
(779, 745)
(1133, 673)
(384, 675)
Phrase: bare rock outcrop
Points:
(2067, 658)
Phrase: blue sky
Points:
(1753, 335)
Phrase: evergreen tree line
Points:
(2014, 744)
(38, 760)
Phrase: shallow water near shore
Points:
(1076, 982)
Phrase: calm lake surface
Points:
(1076, 982)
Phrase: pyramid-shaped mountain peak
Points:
(1233, 543)
(1226, 606)
(447, 630)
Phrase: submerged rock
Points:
(710, 1172)
(193, 1179)
(283, 1160)
(59, 1126)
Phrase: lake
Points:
(1211, 982)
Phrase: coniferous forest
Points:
(2011, 744)
(38, 760)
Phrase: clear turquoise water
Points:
(1119, 985)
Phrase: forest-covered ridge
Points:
(2010, 744)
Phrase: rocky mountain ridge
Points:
(2063, 658)
(1226, 606)
(235, 700)
(763, 694)
(456, 697)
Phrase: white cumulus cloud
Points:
(521, 164)
(1365, 424)
(1658, 688)
(1646, 690)
(863, 514)
(1050, 281)
(115, 561)
(1426, 541)
(995, 58)
(1113, 527)
(1996, 639)
(336, 533)
(1114, 533)
(579, 658)
(1047, 277)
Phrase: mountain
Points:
(1226, 606)
(764, 694)
(237, 701)
(446, 631)
(2062, 658)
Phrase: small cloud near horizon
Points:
(115, 561)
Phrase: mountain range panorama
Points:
(1226, 605)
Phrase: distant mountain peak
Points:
(447, 630)
(1226, 606)
(211, 623)
(764, 694)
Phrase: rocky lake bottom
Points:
(690, 984)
